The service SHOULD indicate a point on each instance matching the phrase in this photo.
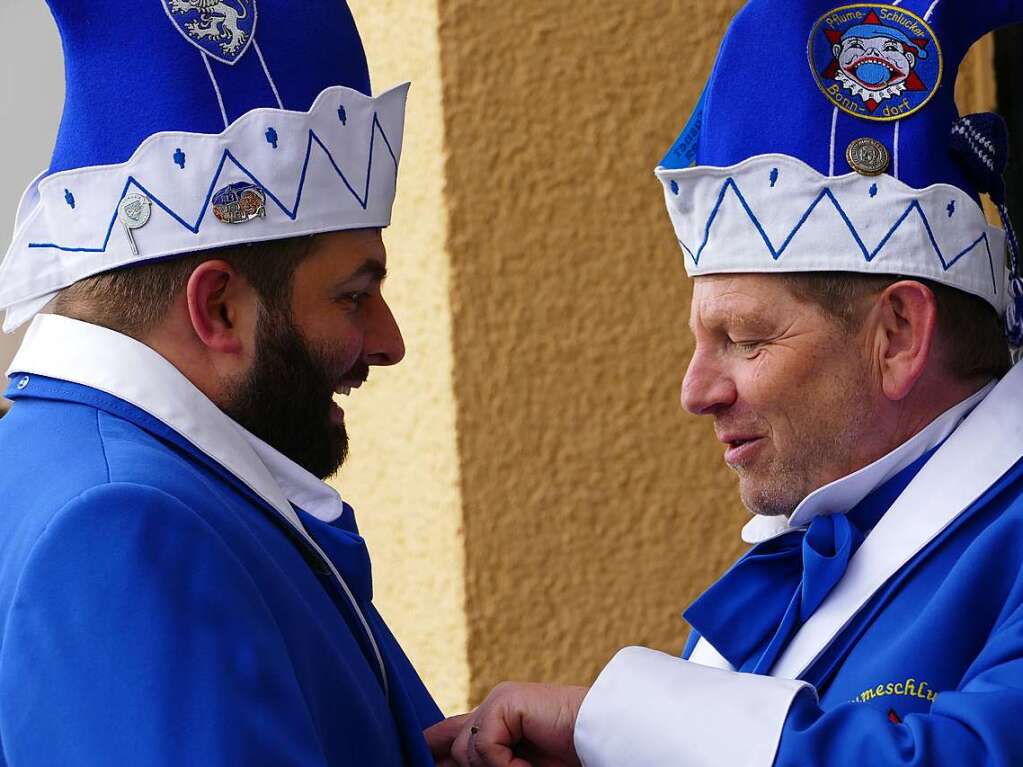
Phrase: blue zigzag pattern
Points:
(291, 212)
(826, 194)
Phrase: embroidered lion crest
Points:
(222, 29)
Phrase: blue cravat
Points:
(751, 614)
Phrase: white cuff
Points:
(649, 709)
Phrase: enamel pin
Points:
(239, 203)
(134, 211)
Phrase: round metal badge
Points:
(876, 62)
(868, 157)
(134, 211)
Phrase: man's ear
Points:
(906, 326)
(221, 305)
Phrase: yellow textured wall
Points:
(594, 508)
(533, 494)
(402, 478)
(976, 89)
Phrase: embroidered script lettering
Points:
(909, 688)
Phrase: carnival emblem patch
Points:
(222, 29)
(878, 62)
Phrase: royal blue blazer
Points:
(154, 611)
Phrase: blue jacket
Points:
(155, 611)
(914, 658)
(930, 671)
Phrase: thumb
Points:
(442, 735)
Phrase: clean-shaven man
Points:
(849, 345)
(177, 584)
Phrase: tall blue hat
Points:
(196, 124)
(847, 152)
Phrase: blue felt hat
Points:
(194, 124)
(845, 154)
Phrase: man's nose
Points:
(706, 388)
(383, 344)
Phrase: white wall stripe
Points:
(896, 147)
(216, 89)
(269, 77)
(834, 134)
(930, 11)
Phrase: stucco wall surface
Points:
(594, 508)
(402, 477)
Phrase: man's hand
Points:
(518, 725)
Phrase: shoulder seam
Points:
(102, 444)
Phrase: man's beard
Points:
(286, 398)
(830, 447)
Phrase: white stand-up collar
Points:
(843, 494)
(102, 359)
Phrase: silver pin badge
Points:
(239, 203)
(134, 212)
(868, 157)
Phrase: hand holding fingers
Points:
(520, 718)
(490, 741)
(441, 736)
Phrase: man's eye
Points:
(353, 299)
(746, 347)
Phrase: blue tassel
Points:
(1014, 313)
(1011, 240)
(982, 143)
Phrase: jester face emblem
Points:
(876, 62)
(222, 29)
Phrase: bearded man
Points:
(178, 584)
(847, 313)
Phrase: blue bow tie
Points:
(751, 614)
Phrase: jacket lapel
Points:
(982, 450)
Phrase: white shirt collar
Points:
(842, 494)
(102, 359)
